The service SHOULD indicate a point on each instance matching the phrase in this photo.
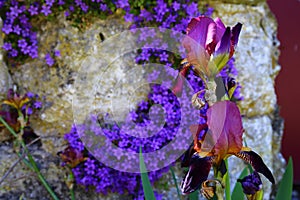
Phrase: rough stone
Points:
(255, 55)
(5, 83)
(256, 60)
(5, 79)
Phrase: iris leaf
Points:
(148, 191)
(237, 192)
(286, 184)
(194, 195)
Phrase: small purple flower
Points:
(14, 10)
(71, 8)
(22, 43)
(103, 7)
(251, 183)
(7, 46)
(67, 13)
(46, 10)
(49, 60)
(30, 94)
(128, 17)
(37, 104)
(176, 6)
(7, 28)
(49, 2)
(33, 10)
(17, 29)
(164, 56)
(61, 2)
(84, 7)
(13, 53)
(57, 53)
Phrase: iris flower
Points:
(223, 138)
(210, 44)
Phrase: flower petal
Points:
(200, 41)
(251, 183)
(223, 46)
(203, 30)
(225, 127)
(220, 29)
(198, 172)
(235, 32)
(257, 163)
(187, 156)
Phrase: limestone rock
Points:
(5, 83)
(256, 51)
(5, 79)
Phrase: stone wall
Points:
(256, 61)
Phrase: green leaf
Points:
(237, 192)
(193, 195)
(148, 191)
(286, 184)
(175, 181)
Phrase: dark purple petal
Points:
(223, 46)
(187, 156)
(235, 32)
(198, 172)
(257, 163)
(251, 183)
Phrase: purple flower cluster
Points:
(33, 105)
(21, 39)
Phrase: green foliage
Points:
(237, 192)
(286, 184)
(148, 192)
(194, 195)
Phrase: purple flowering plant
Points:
(208, 67)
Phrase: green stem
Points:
(32, 164)
(227, 182)
(175, 181)
(71, 176)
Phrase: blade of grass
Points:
(175, 182)
(148, 191)
(286, 183)
(237, 192)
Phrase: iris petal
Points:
(197, 173)
(225, 127)
(235, 32)
(257, 163)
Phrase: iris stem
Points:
(227, 182)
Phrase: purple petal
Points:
(223, 46)
(235, 32)
(187, 156)
(220, 29)
(257, 163)
(251, 183)
(198, 172)
(225, 129)
(202, 30)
